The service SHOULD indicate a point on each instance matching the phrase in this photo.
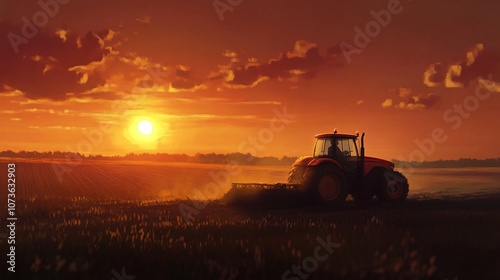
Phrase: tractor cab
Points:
(342, 148)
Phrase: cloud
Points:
(42, 67)
(303, 61)
(144, 19)
(61, 65)
(62, 34)
(489, 85)
(406, 100)
(478, 62)
(232, 55)
(301, 49)
(7, 91)
(434, 75)
(387, 103)
(58, 127)
(183, 72)
(184, 81)
(452, 77)
(180, 86)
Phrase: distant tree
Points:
(237, 158)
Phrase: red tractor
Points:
(337, 168)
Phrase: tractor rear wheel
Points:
(295, 175)
(329, 185)
(393, 187)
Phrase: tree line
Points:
(451, 163)
(214, 158)
(240, 158)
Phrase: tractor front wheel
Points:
(393, 187)
(330, 185)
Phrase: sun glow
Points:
(145, 127)
(145, 131)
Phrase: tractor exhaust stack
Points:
(362, 160)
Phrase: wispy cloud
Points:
(406, 100)
(144, 19)
(304, 60)
(478, 62)
(489, 85)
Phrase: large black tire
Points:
(393, 187)
(328, 184)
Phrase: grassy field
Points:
(106, 218)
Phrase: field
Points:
(107, 220)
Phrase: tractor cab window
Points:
(323, 145)
(348, 154)
(347, 147)
(341, 149)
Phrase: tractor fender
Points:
(323, 161)
(312, 169)
(302, 161)
(372, 163)
(312, 162)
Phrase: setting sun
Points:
(145, 130)
(145, 127)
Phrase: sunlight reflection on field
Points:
(454, 182)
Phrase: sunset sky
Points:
(210, 76)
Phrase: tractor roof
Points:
(335, 134)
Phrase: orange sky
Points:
(215, 80)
